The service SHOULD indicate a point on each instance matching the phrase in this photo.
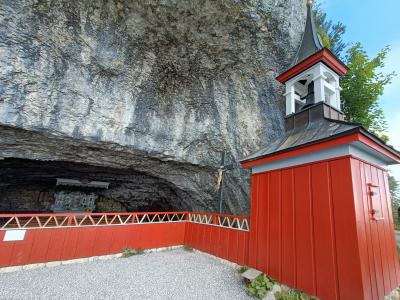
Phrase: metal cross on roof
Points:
(219, 187)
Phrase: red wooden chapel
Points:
(321, 218)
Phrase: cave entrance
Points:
(32, 186)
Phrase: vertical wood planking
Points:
(54, 244)
(40, 246)
(255, 179)
(21, 250)
(274, 216)
(304, 243)
(288, 229)
(391, 264)
(376, 247)
(382, 239)
(325, 252)
(350, 280)
(263, 223)
(6, 251)
(368, 232)
(392, 241)
(361, 212)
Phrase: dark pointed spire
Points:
(310, 42)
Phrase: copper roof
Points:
(313, 125)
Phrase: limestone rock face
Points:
(154, 86)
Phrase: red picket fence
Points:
(55, 237)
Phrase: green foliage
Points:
(362, 86)
(188, 248)
(243, 269)
(394, 187)
(293, 294)
(364, 82)
(394, 190)
(127, 252)
(260, 286)
(290, 295)
(331, 34)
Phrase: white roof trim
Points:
(356, 149)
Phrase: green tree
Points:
(363, 84)
(394, 190)
(394, 187)
(331, 33)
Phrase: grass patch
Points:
(398, 252)
(290, 295)
(188, 248)
(396, 220)
(128, 252)
(243, 269)
(260, 286)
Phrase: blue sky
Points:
(375, 24)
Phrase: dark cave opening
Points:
(33, 186)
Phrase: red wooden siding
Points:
(378, 253)
(54, 244)
(311, 229)
(222, 242)
(226, 236)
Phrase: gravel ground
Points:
(174, 274)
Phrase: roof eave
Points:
(324, 55)
(358, 129)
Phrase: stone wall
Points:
(169, 84)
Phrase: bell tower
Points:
(320, 216)
(314, 75)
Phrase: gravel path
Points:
(174, 274)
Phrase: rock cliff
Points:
(152, 87)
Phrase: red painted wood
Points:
(324, 56)
(371, 143)
(40, 245)
(376, 247)
(21, 250)
(288, 229)
(70, 242)
(255, 179)
(55, 244)
(62, 243)
(304, 231)
(274, 217)
(395, 268)
(262, 224)
(324, 233)
(386, 236)
(349, 271)
(326, 238)
(229, 244)
(382, 240)
(303, 150)
(320, 146)
(361, 193)
(6, 251)
(103, 240)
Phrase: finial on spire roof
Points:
(310, 42)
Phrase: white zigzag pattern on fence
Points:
(77, 220)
